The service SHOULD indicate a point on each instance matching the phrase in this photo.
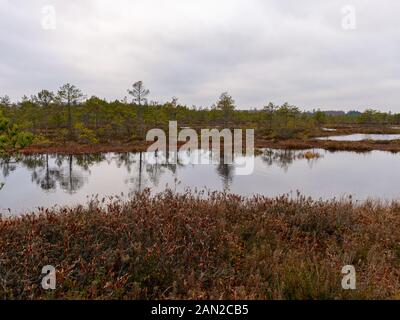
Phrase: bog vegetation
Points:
(11, 137)
(202, 246)
(68, 115)
(197, 246)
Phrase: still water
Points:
(362, 136)
(48, 180)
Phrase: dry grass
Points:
(204, 246)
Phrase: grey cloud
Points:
(259, 51)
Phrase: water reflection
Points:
(47, 180)
(284, 158)
(361, 136)
(50, 171)
(71, 172)
(46, 177)
(226, 172)
(149, 175)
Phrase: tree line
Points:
(69, 115)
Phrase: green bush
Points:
(11, 137)
(286, 133)
(85, 135)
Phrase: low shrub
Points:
(203, 246)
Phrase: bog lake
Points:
(47, 180)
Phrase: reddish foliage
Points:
(203, 246)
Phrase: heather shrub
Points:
(203, 246)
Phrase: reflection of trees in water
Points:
(71, 180)
(66, 170)
(283, 158)
(152, 173)
(134, 164)
(147, 174)
(85, 161)
(10, 164)
(63, 173)
(226, 172)
(7, 166)
(46, 177)
(70, 176)
(127, 159)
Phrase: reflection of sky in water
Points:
(362, 136)
(65, 180)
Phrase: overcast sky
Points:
(303, 52)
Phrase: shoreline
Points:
(73, 148)
(356, 146)
(296, 143)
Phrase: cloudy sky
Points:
(310, 53)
